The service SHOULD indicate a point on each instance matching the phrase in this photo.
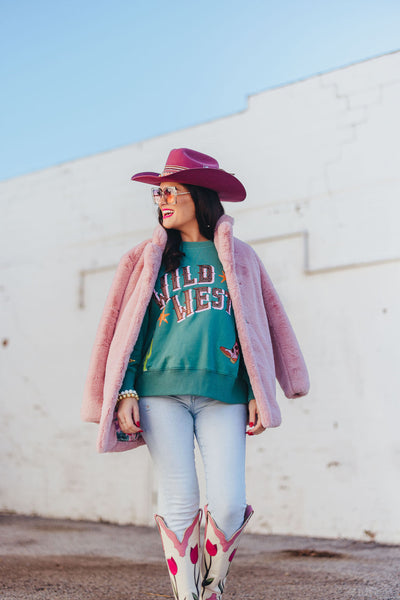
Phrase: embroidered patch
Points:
(231, 353)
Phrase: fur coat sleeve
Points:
(290, 369)
(269, 345)
(93, 392)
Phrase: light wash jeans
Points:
(169, 425)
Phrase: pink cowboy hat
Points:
(188, 166)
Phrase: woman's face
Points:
(182, 215)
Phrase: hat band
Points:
(172, 169)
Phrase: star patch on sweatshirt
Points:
(163, 317)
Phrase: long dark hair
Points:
(208, 209)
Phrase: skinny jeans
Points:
(170, 424)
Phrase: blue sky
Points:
(80, 77)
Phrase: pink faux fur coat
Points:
(268, 343)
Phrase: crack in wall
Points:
(350, 127)
(355, 125)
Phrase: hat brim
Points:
(229, 188)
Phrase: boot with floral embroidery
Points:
(183, 558)
(218, 553)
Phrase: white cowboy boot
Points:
(218, 553)
(183, 558)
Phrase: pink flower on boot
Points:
(194, 554)
(172, 566)
(211, 548)
(232, 555)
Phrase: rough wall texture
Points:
(320, 161)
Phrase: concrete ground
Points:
(46, 559)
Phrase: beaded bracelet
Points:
(128, 394)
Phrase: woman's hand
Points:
(128, 415)
(255, 426)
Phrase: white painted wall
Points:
(320, 161)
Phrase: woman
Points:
(190, 341)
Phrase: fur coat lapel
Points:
(243, 280)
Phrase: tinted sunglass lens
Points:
(169, 195)
(156, 194)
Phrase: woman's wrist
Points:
(127, 394)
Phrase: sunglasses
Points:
(167, 194)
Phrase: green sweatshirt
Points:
(188, 342)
